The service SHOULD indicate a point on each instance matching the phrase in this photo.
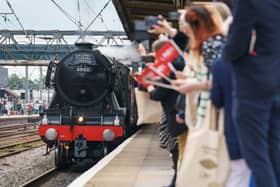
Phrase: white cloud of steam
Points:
(125, 55)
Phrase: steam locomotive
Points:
(91, 109)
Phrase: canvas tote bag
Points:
(191, 108)
(206, 161)
(149, 111)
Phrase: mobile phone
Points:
(148, 58)
(150, 21)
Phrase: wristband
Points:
(181, 115)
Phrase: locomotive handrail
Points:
(49, 74)
(116, 104)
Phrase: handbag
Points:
(149, 111)
(191, 108)
(206, 161)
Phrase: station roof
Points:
(131, 10)
(10, 93)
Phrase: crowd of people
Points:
(18, 108)
(227, 68)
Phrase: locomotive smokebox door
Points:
(80, 147)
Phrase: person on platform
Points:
(181, 37)
(168, 97)
(221, 97)
(256, 86)
(207, 41)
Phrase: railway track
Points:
(41, 179)
(54, 177)
(16, 138)
(19, 134)
(16, 126)
(15, 148)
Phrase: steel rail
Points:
(40, 178)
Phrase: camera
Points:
(150, 21)
(148, 58)
(141, 26)
(146, 24)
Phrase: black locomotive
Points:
(91, 109)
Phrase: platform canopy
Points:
(9, 93)
(131, 10)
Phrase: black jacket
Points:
(255, 75)
(168, 98)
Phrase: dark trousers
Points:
(258, 127)
(175, 156)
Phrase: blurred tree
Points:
(15, 82)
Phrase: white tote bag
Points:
(149, 111)
(206, 161)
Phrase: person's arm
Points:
(181, 40)
(239, 37)
(163, 27)
(187, 86)
(158, 93)
(216, 95)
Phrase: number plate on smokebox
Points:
(80, 148)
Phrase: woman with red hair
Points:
(206, 43)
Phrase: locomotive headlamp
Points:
(81, 119)
(51, 134)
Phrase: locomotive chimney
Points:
(84, 45)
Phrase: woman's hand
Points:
(178, 83)
(180, 75)
(185, 86)
(150, 88)
(179, 119)
(163, 27)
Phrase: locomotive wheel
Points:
(60, 157)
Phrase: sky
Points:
(45, 15)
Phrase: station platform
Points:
(18, 116)
(137, 162)
(17, 119)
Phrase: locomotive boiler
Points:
(91, 110)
